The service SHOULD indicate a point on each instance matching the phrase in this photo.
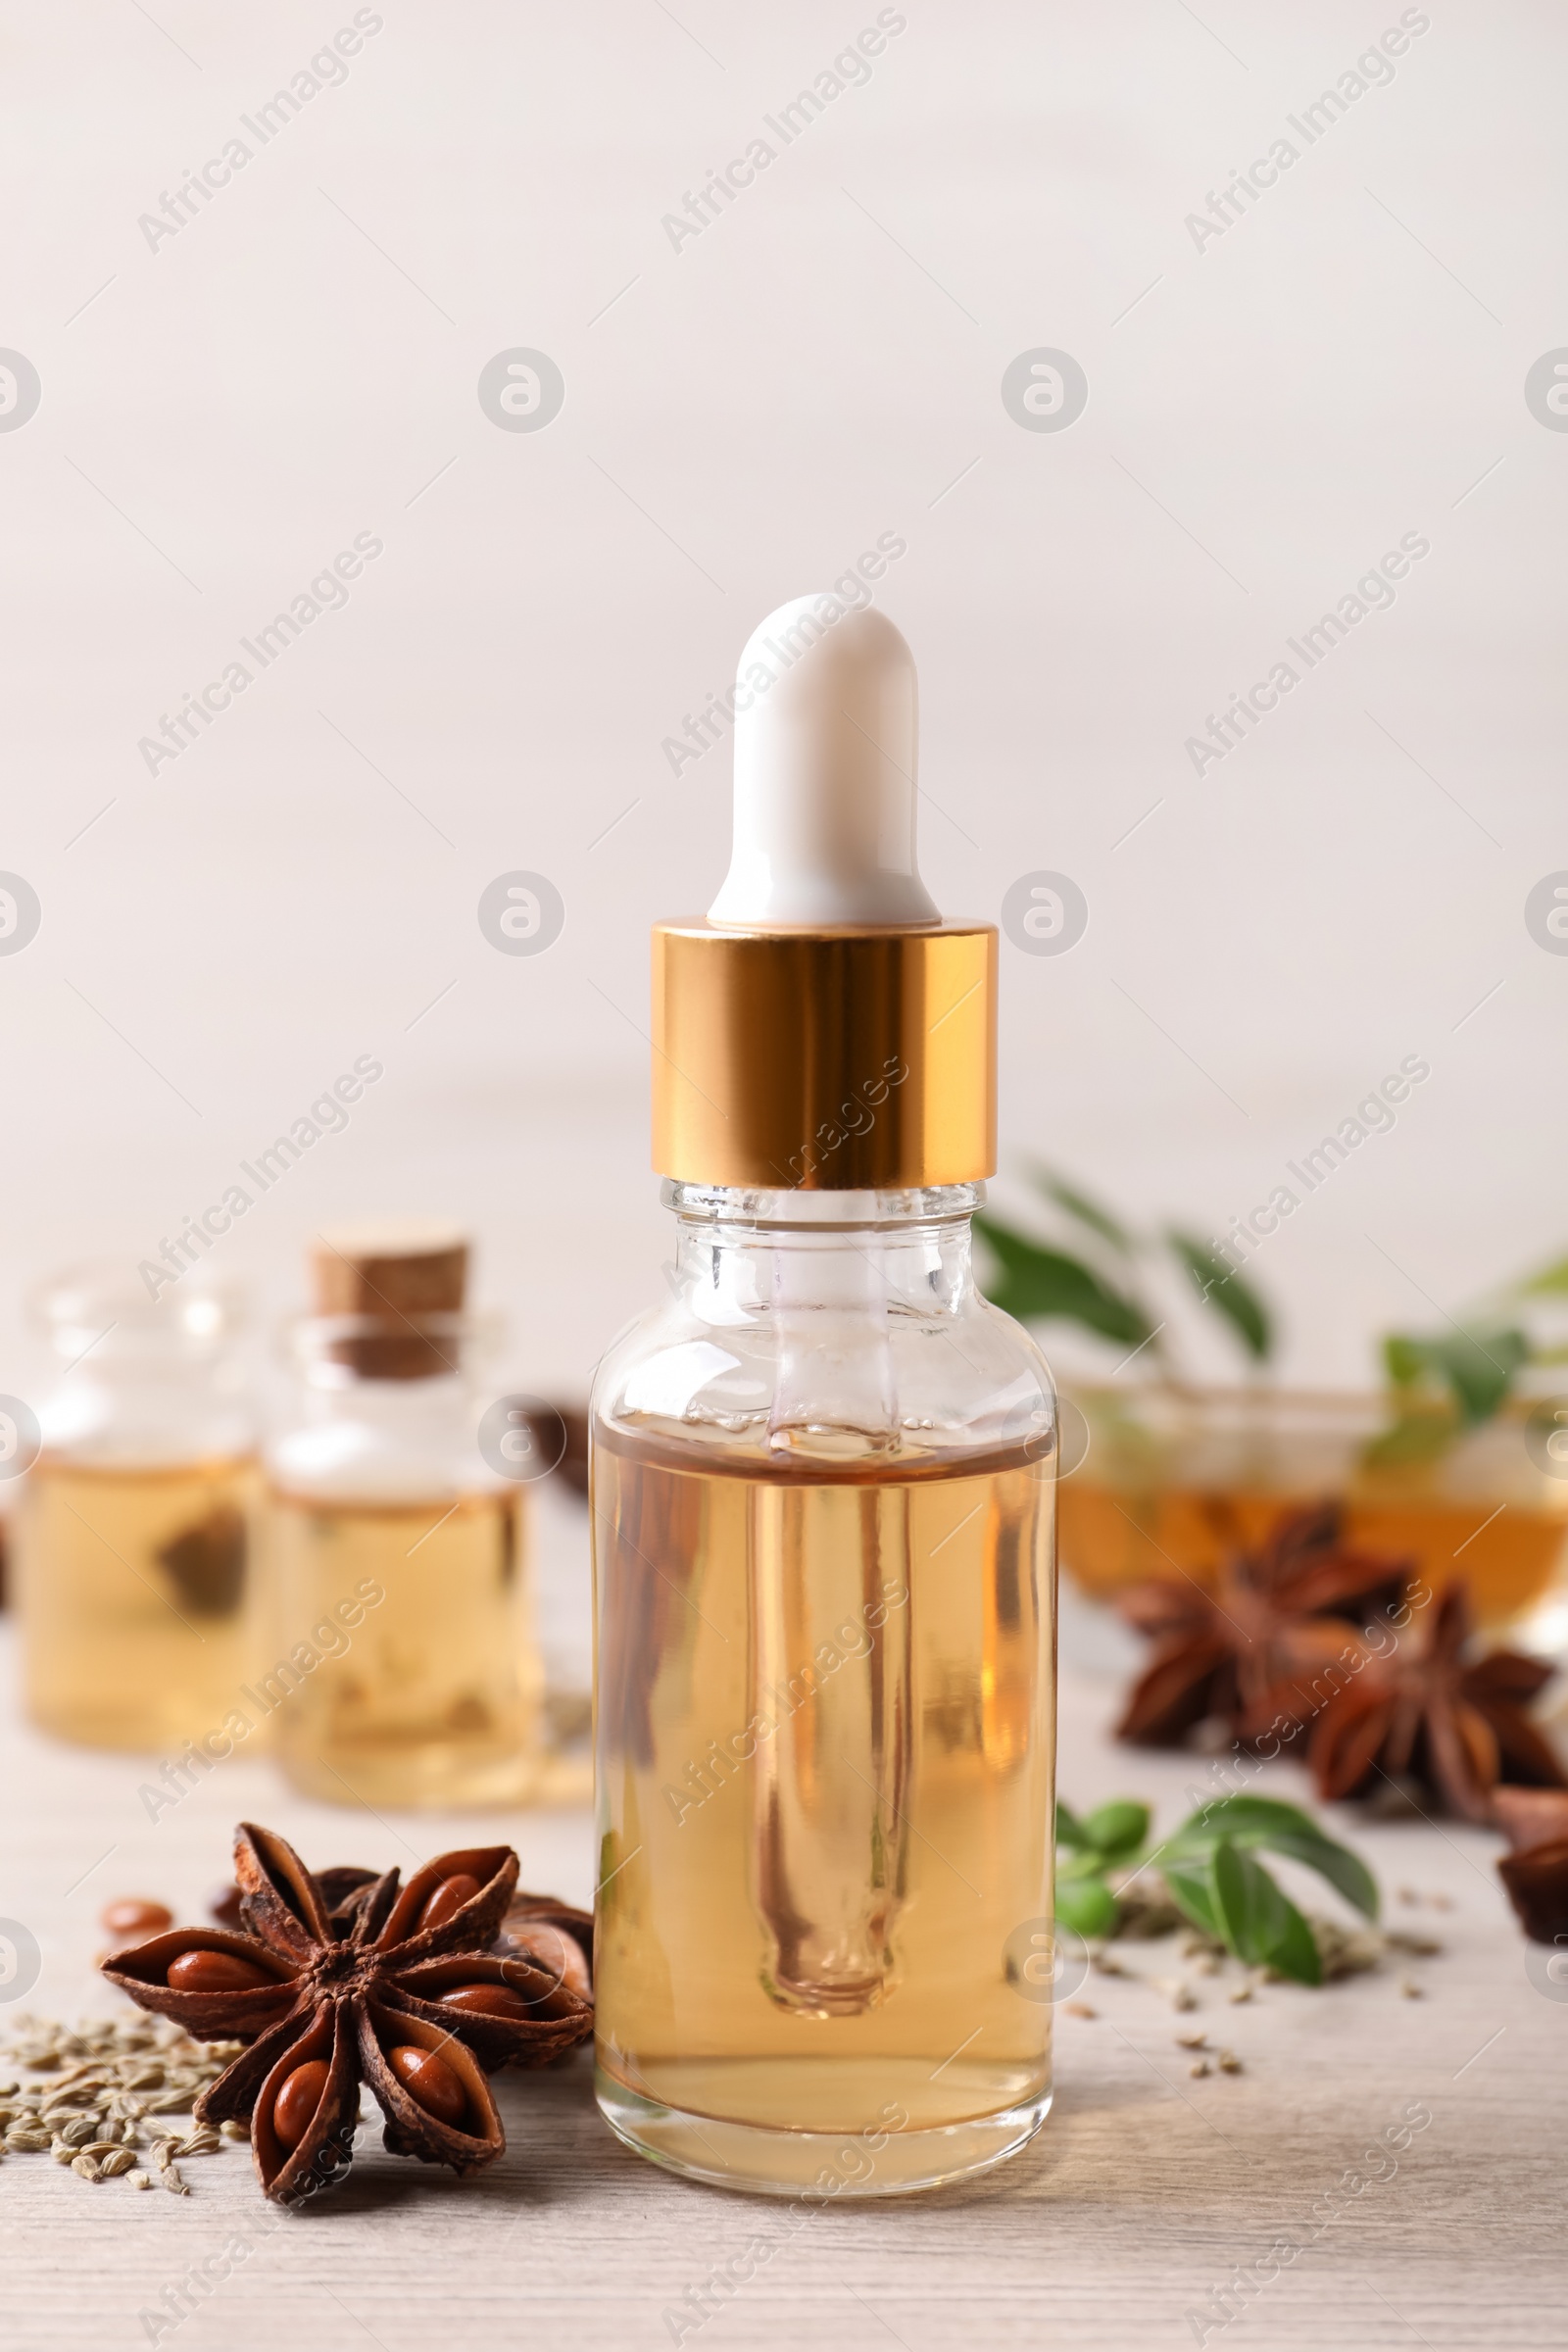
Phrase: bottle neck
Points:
(828, 1296)
(855, 1252)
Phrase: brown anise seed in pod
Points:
(215, 1971)
(346, 1977)
(297, 2101)
(560, 1955)
(131, 1915)
(489, 2000)
(429, 2083)
(444, 1901)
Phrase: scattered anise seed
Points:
(86, 2109)
(134, 1917)
(1240, 1992)
(1079, 2009)
(1410, 1990)
(1190, 2041)
(1200, 2066)
(1228, 2063)
(1343, 1951)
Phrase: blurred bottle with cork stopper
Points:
(395, 1565)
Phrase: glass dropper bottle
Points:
(823, 1477)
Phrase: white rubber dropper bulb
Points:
(824, 774)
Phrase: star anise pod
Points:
(1415, 1709)
(1535, 1822)
(342, 1978)
(1250, 1651)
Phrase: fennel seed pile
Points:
(101, 2093)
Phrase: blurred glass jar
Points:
(134, 1532)
(1171, 1478)
(404, 1667)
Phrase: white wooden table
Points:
(1145, 2191)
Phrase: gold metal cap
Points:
(837, 1060)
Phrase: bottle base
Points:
(829, 2165)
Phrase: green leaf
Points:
(1088, 1212)
(1069, 1829)
(1479, 1371)
(1404, 1359)
(1117, 1829)
(1295, 1954)
(1188, 1881)
(1343, 1870)
(1477, 1368)
(1262, 1821)
(1037, 1283)
(1086, 1905)
(1256, 1919)
(1251, 1819)
(1413, 1436)
(1223, 1289)
(1549, 1283)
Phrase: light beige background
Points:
(742, 417)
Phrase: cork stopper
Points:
(402, 1284)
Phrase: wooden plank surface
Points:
(1137, 2204)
